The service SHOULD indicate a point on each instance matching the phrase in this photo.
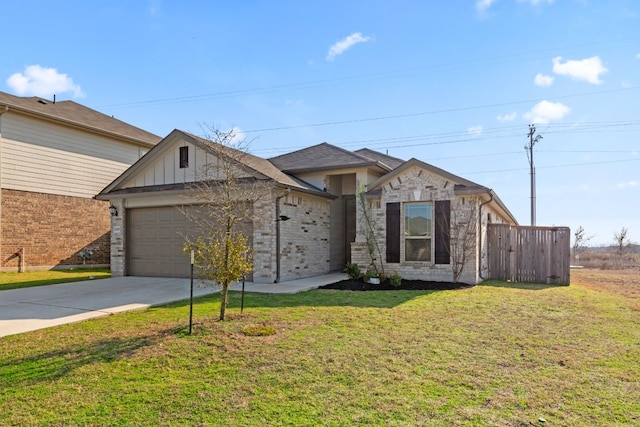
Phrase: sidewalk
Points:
(29, 309)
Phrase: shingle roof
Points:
(392, 162)
(257, 164)
(72, 113)
(323, 156)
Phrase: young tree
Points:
(227, 193)
(622, 242)
(579, 241)
(368, 228)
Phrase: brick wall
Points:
(52, 230)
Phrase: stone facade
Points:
(304, 247)
(54, 231)
(414, 185)
(118, 238)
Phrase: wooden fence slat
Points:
(529, 254)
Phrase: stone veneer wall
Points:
(53, 230)
(414, 184)
(304, 238)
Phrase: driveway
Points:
(28, 309)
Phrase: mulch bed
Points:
(406, 285)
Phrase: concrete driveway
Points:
(28, 309)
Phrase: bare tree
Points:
(463, 239)
(622, 242)
(368, 228)
(227, 192)
(580, 240)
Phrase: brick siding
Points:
(53, 230)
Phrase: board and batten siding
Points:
(44, 157)
(165, 168)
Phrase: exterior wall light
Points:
(113, 210)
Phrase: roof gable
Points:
(462, 187)
(249, 164)
(72, 113)
(422, 165)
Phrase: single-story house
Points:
(419, 214)
(54, 158)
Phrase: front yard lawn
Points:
(491, 355)
(28, 279)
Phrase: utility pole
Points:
(529, 148)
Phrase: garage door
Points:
(155, 240)
(156, 237)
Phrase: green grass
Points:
(492, 355)
(28, 279)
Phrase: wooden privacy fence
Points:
(529, 254)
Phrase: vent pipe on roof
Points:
(54, 98)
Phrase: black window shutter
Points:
(393, 232)
(442, 232)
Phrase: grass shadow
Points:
(520, 285)
(52, 365)
(63, 276)
(317, 298)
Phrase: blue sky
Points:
(452, 83)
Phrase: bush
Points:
(395, 279)
(258, 330)
(352, 270)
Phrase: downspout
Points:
(480, 231)
(278, 220)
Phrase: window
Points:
(417, 231)
(184, 157)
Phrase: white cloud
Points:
(154, 7)
(238, 136)
(483, 5)
(44, 82)
(543, 80)
(546, 112)
(341, 46)
(475, 130)
(507, 117)
(588, 70)
(628, 184)
(536, 2)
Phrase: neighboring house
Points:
(54, 157)
(417, 208)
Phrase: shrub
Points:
(395, 279)
(352, 270)
(258, 330)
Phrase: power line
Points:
(433, 112)
(554, 166)
(323, 82)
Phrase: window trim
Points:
(183, 160)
